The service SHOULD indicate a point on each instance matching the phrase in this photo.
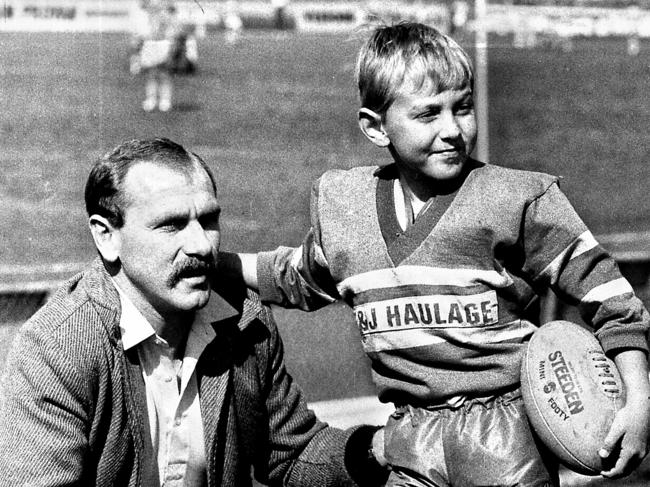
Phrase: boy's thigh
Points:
(403, 478)
(482, 445)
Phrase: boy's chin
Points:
(444, 170)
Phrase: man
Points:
(141, 371)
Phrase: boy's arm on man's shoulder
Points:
(233, 266)
(249, 269)
(291, 277)
(296, 277)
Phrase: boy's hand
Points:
(626, 444)
(377, 447)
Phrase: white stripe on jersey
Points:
(410, 338)
(608, 290)
(422, 275)
(579, 246)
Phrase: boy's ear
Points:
(106, 237)
(371, 125)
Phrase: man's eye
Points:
(172, 225)
(426, 116)
(210, 221)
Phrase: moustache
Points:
(191, 267)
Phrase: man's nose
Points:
(197, 240)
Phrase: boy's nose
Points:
(449, 128)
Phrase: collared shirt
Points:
(177, 456)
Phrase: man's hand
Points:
(364, 456)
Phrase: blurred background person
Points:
(232, 22)
(280, 14)
(161, 37)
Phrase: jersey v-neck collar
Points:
(400, 243)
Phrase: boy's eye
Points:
(428, 115)
(465, 108)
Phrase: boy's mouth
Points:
(448, 153)
(449, 150)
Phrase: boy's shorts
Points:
(483, 442)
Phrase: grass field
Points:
(273, 112)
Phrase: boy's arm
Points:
(562, 254)
(281, 277)
(296, 277)
(248, 264)
(290, 277)
(627, 441)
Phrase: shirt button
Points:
(177, 422)
(168, 378)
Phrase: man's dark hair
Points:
(104, 189)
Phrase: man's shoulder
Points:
(68, 341)
(244, 300)
(74, 307)
(260, 312)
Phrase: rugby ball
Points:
(571, 393)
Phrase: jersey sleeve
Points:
(561, 253)
(298, 277)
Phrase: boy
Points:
(440, 256)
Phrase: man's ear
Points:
(106, 237)
(372, 127)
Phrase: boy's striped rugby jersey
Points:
(444, 307)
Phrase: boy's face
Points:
(431, 134)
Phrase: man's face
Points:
(170, 238)
(431, 134)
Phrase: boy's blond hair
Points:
(408, 48)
